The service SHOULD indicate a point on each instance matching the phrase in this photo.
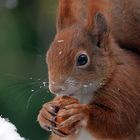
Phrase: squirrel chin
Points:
(86, 94)
(82, 98)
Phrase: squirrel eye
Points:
(82, 60)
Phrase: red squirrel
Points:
(96, 83)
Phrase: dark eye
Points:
(82, 60)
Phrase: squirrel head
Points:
(79, 57)
(79, 60)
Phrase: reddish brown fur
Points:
(94, 6)
(70, 12)
(122, 96)
(66, 15)
(113, 113)
(124, 17)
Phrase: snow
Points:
(8, 131)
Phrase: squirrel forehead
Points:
(71, 35)
(69, 40)
(67, 44)
(61, 51)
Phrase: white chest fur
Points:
(85, 135)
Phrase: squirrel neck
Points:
(123, 81)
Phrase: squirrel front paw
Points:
(71, 118)
(47, 117)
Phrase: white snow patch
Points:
(60, 52)
(60, 41)
(85, 86)
(44, 84)
(8, 131)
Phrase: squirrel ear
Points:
(100, 26)
(100, 30)
(66, 16)
(97, 27)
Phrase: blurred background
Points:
(27, 28)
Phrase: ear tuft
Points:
(97, 24)
(66, 16)
(70, 12)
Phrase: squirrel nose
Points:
(55, 89)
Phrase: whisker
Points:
(30, 98)
(28, 83)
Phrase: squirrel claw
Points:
(48, 128)
(53, 121)
(52, 113)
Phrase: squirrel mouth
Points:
(72, 92)
(72, 95)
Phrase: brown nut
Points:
(60, 120)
